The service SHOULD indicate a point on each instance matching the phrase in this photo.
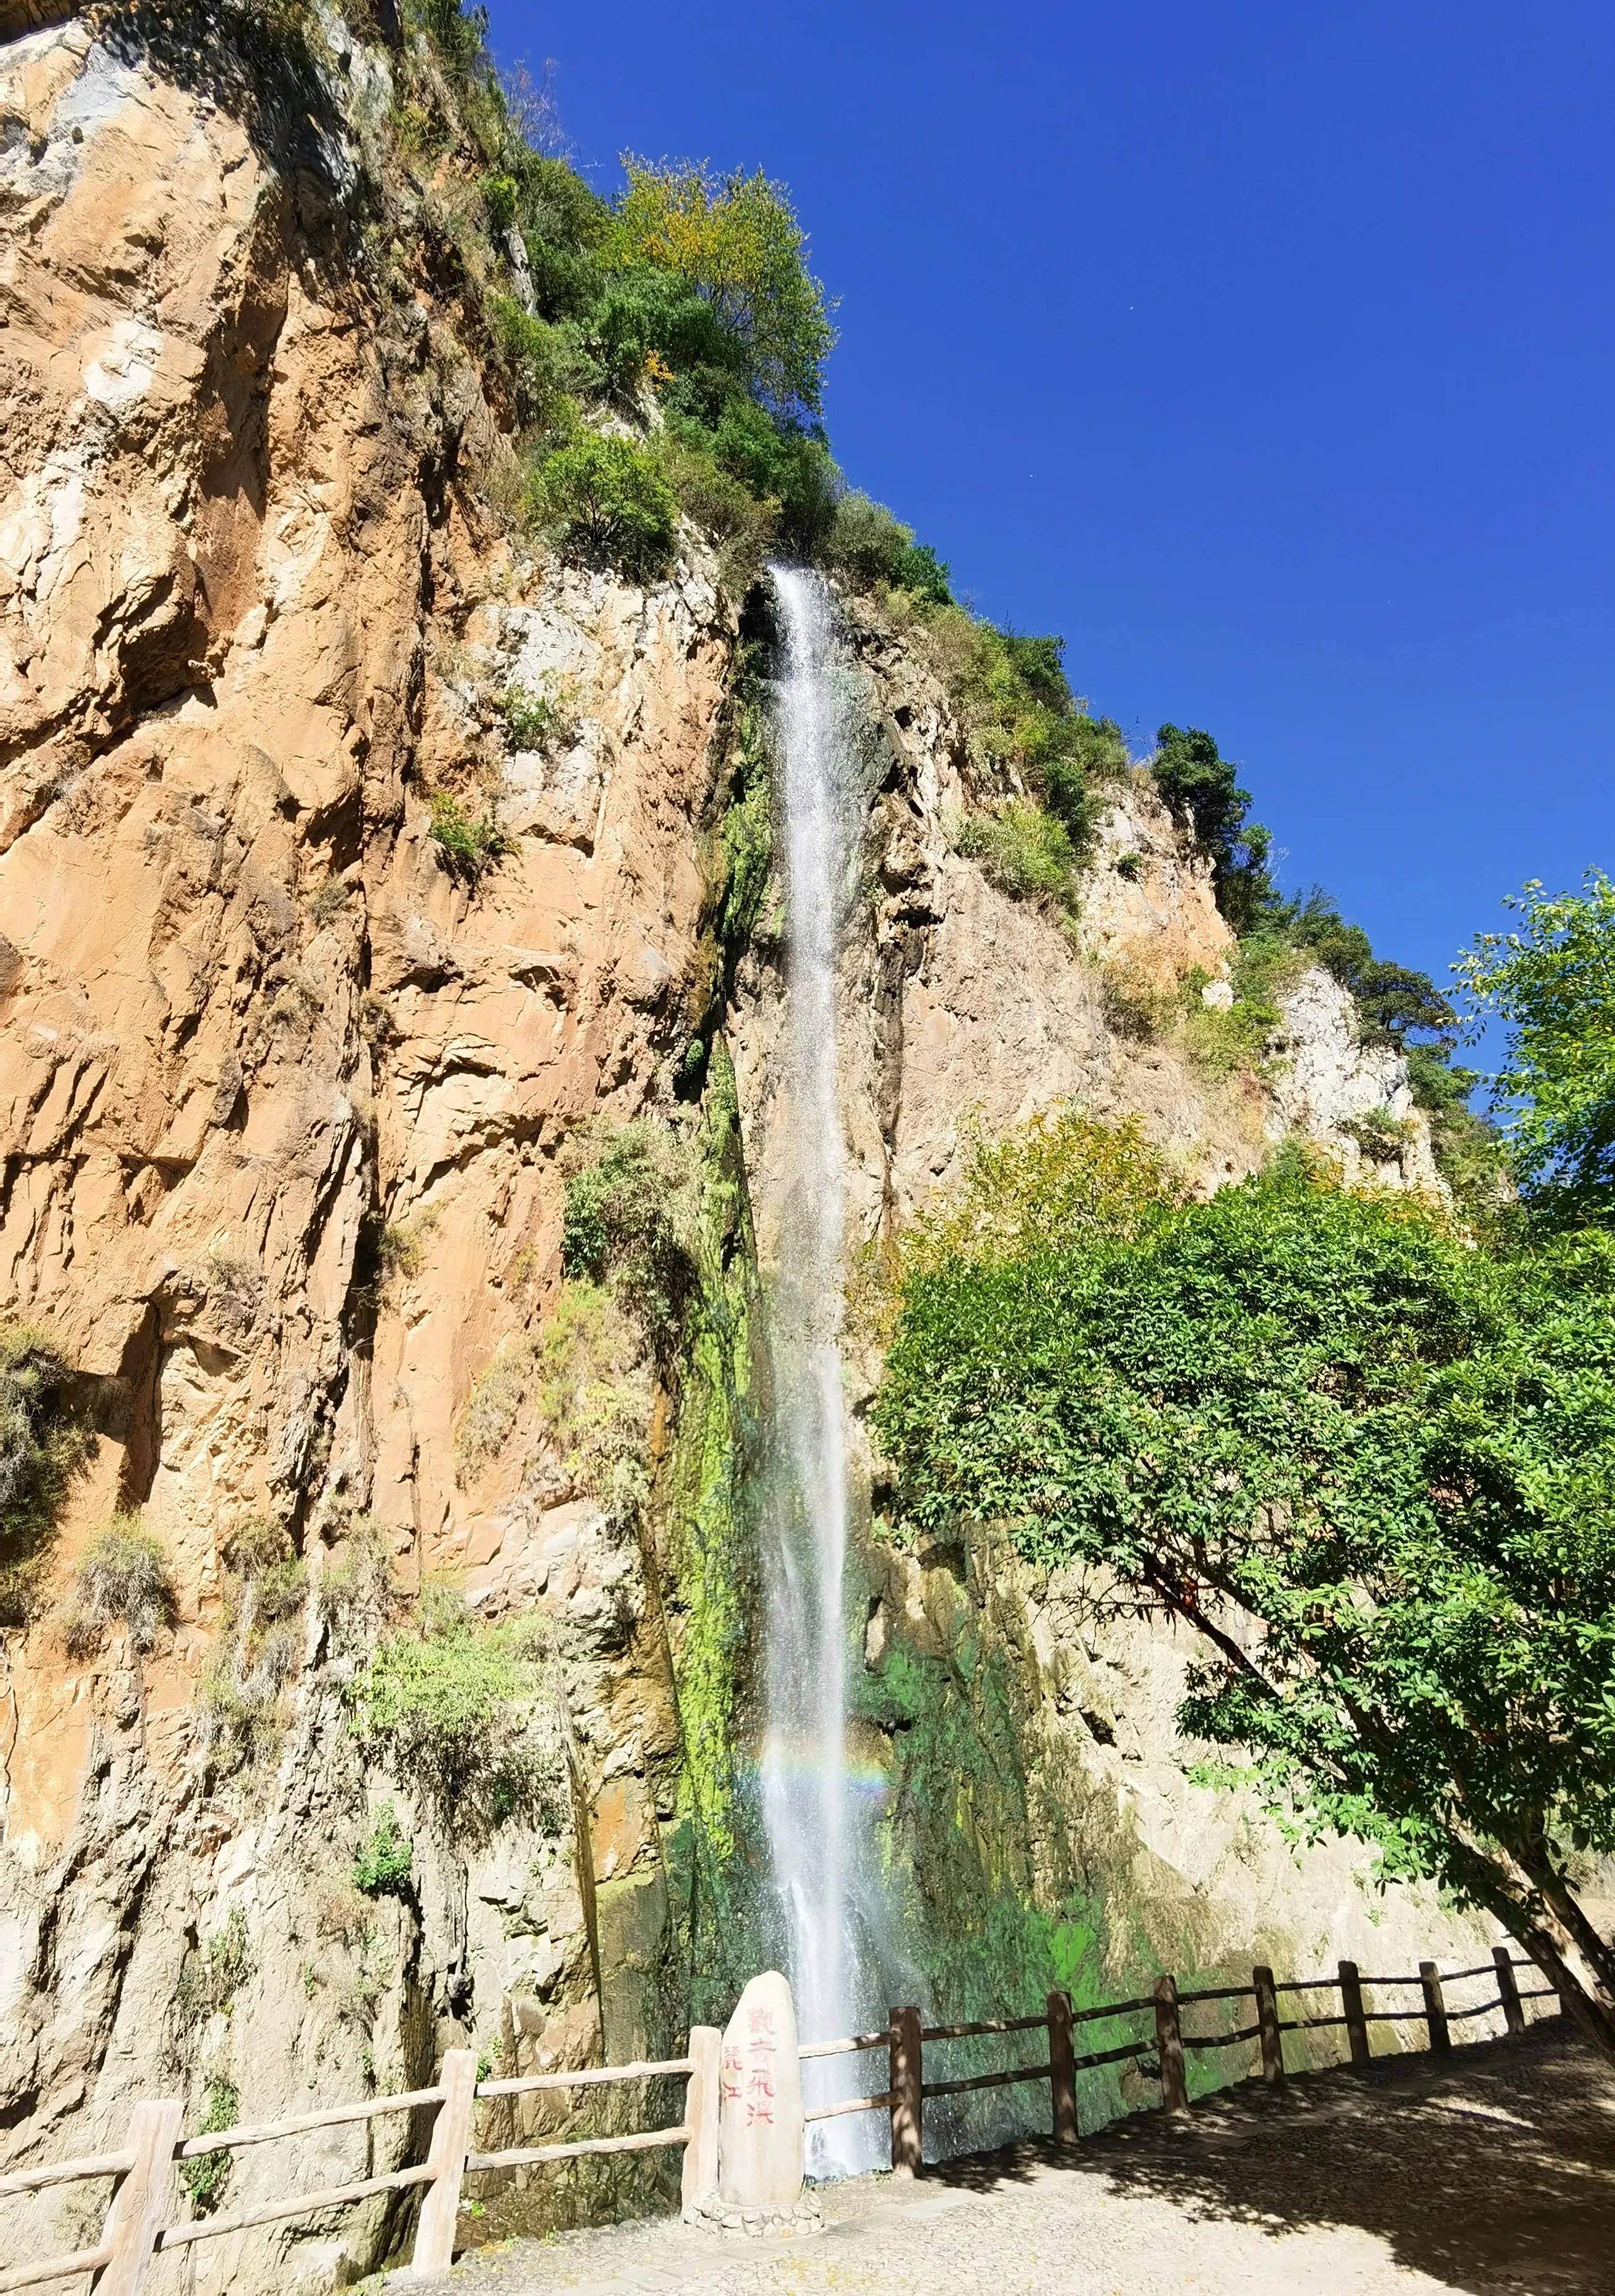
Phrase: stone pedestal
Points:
(759, 2124)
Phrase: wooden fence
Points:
(1165, 2041)
(139, 2223)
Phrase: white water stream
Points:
(820, 1842)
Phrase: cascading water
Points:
(820, 1846)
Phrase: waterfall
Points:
(821, 1854)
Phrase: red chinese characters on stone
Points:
(760, 2047)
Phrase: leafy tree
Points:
(781, 464)
(1372, 1467)
(644, 315)
(1397, 1005)
(1551, 983)
(1198, 785)
(1061, 1177)
(1040, 665)
(608, 505)
(736, 241)
(923, 574)
(868, 544)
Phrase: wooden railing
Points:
(139, 2225)
(904, 2040)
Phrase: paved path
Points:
(1492, 2173)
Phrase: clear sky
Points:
(1265, 351)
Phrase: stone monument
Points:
(759, 2119)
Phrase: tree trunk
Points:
(1561, 1900)
(1552, 1944)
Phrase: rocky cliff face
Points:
(284, 1098)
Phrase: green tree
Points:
(1200, 786)
(736, 241)
(608, 505)
(1371, 1466)
(1551, 983)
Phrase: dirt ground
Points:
(1491, 2172)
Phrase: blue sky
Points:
(1266, 352)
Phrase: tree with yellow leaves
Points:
(736, 241)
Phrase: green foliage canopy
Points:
(1552, 982)
(1200, 786)
(608, 505)
(1374, 1467)
(736, 241)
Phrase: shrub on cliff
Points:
(607, 505)
(122, 1578)
(383, 1866)
(630, 1222)
(469, 1711)
(259, 1645)
(546, 364)
(596, 1399)
(1022, 849)
(868, 545)
(1372, 1467)
(784, 464)
(1020, 716)
(42, 1447)
(206, 2177)
(470, 843)
(724, 508)
(1199, 787)
(357, 1589)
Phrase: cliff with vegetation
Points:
(390, 982)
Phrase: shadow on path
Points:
(1492, 2170)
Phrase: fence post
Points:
(1351, 2002)
(1508, 1988)
(1435, 2006)
(135, 2217)
(699, 2177)
(1267, 2023)
(450, 2143)
(1169, 2046)
(907, 2086)
(1063, 2070)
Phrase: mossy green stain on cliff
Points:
(709, 1543)
(991, 1935)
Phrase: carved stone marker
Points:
(759, 2121)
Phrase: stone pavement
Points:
(1491, 2173)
